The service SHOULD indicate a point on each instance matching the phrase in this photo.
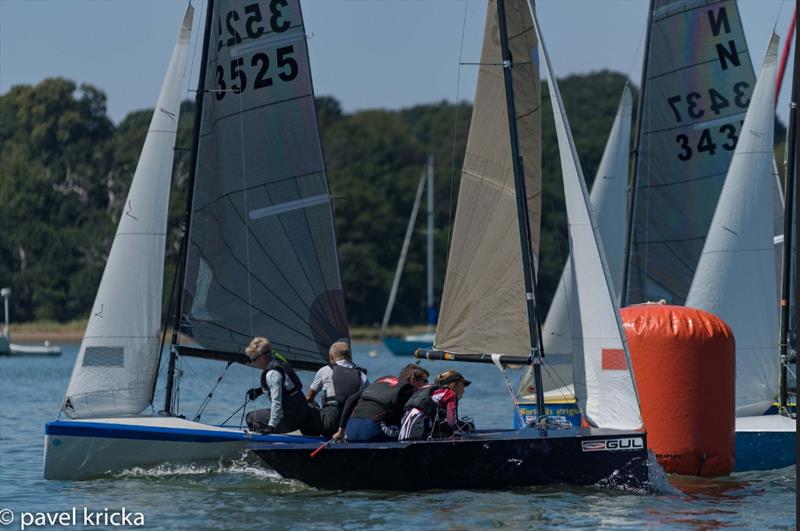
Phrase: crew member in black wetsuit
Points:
(375, 413)
(288, 409)
(338, 382)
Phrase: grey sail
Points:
(262, 257)
(483, 300)
(697, 86)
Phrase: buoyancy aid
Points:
(384, 399)
(294, 403)
(422, 399)
(345, 381)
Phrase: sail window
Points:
(103, 357)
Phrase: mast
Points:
(623, 296)
(528, 266)
(403, 252)
(430, 310)
(188, 212)
(788, 222)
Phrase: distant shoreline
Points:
(72, 332)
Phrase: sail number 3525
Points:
(253, 24)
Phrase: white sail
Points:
(116, 366)
(483, 305)
(604, 384)
(609, 199)
(735, 276)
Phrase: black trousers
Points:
(329, 417)
(308, 422)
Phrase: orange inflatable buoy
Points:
(684, 365)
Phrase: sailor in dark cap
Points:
(433, 409)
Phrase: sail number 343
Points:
(254, 24)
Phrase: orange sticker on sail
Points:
(613, 359)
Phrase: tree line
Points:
(65, 169)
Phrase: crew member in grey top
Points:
(289, 411)
(337, 381)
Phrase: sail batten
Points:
(262, 256)
(117, 363)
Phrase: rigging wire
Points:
(211, 392)
(455, 127)
(184, 230)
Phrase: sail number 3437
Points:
(253, 24)
(692, 107)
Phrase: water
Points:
(245, 494)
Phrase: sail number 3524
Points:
(253, 24)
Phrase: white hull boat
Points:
(85, 449)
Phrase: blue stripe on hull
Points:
(156, 433)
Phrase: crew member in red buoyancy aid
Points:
(288, 409)
(433, 409)
(374, 414)
(338, 382)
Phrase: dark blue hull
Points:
(501, 459)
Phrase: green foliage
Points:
(65, 170)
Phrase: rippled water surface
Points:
(245, 495)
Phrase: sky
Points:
(365, 53)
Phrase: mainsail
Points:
(734, 278)
(483, 301)
(698, 78)
(118, 358)
(604, 384)
(262, 257)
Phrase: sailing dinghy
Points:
(663, 240)
(488, 307)
(260, 257)
(734, 280)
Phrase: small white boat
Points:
(7, 348)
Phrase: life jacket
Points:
(294, 403)
(384, 399)
(345, 382)
(422, 399)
